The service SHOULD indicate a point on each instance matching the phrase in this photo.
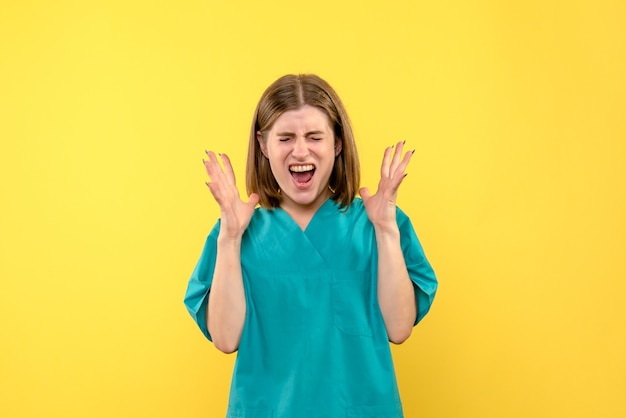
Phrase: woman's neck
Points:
(302, 214)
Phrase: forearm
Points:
(226, 311)
(396, 296)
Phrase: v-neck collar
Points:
(326, 208)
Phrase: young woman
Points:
(310, 287)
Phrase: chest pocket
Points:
(354, 302)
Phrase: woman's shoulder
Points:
(269, 220)
(357, 207)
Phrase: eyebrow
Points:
(306, 134)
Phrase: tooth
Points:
(301, 168)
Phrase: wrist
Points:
(389, 232)
(228, 241)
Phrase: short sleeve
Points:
(199, 286)
(420, 271)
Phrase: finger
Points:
(213, 168)
(209, 163)
(400, 174)
(384, 168)
(396, 157)
(206, 162)
(215, 192)
(253, 200)
(365, 193)
(228, 169)
(220, 189)
(400, 170)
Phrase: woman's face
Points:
(301, 149)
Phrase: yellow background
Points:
(516, 110)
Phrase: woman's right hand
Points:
(235, 213)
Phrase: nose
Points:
(300, 148)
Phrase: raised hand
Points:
(235, 213)
(381, 207)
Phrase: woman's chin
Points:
(307, 198)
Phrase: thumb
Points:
(365, 193)
(253, 200)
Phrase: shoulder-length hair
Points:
(291, 92)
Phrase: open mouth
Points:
(302, 174)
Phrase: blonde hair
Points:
(291, 92)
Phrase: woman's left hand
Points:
(381, 207)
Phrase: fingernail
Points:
(404, 142)
(203, 161)
(412, 151)
(206, 152)
(207, 183)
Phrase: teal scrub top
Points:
(314, 343)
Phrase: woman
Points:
(310, 287)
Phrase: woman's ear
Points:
(338, 146)
(259, 138)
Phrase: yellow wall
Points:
(517, 190)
